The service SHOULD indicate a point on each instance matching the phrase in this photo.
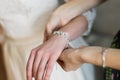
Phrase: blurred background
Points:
(106, 25)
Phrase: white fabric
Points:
(25, 18)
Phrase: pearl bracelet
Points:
(104, 57)
(64, 35)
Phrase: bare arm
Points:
(66, 12)
(76, 27)
(112, 57)
(92, 55)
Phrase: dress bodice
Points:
(21, 18)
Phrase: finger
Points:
(64, 65)
(53, 23)
(61, 63)
(30, 64)
(62, 56)
(42, 66)
(49, 68)
(61, 60)
(49, 29)
(36, 62)
(68, 66)
(46, 36)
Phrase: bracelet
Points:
(64, 35)
(104, 51)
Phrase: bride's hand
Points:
(63, 15)
(42, 58)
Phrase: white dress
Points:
(23, 22)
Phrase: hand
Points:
(70, 59)
(42, 58)
(62, 16)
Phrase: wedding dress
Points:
(23, 22)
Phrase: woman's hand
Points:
(70, 59)
(42, 58)
(63, 15)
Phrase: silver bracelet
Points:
(104, 57)
(64, 35)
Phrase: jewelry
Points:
(64, 35)
(104, 57)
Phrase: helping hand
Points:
(70, 59)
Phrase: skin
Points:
(42, 58)
(72, 59)
(1, 34)
(1, 30)
(66, 12)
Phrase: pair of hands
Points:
(42, 58)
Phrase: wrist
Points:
(92, 55)
(62, 35)
(59, 40)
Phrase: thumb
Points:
(61, 61)
(49, 29)
(52, 25)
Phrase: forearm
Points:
(80, 6)
(72, 9)
(93, 55)
(113, 58)
(87, 4)
(76, 27)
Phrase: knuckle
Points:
(38, 78)
(34, 70)
(46, 55)
(28, 74)
(40, 51)
(28, 68)
(49, 67)
(40, 70)
(34, 67)
(33, 51)
(47, 77)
